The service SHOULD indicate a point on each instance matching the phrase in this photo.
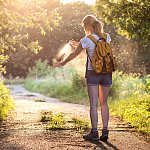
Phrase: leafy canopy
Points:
(17, 18)
(131, 17)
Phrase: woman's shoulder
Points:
(85, 39)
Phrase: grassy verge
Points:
(61, 89)
(135, 110)
(14, 81)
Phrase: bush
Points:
(78, 82)
(6, 101)
(40, 69)
(125, 85)
(135, 110)
(148, 84)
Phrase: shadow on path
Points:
(101, 146)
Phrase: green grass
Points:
(61, 89)
(57, 121)
(39, 100)
(14, 81)
(45, 116)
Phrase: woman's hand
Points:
(73, 43)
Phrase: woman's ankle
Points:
(105, 128)
(94, 130)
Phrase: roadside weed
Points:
(39, 100)
(80, 124)
(56, 121)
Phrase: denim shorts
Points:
(93, 78)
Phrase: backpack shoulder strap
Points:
(92, 38)
(95, 40)
(105, 36)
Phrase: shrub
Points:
(125, 85)
(148, 84)
(78, 82)
(135, 110)
(6, 101)
(40, 69)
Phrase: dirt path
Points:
(23, 131)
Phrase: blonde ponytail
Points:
(98, 28)
(91, 21)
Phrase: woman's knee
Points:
(103, 103)
(94, 105)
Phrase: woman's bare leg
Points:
(103, 96)
(93, 96)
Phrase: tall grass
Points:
(125, 85)
(63, 83)
(55, 88)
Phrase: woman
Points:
(97, 84)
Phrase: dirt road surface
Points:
(23, 130)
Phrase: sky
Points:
(90, 2)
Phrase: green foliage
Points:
(45, 116)
(80, 124)
(59, 83)
(56, 121)
(18, 21)
(57, 88)
(135, 110)
(125, 85)
(130, 18)
(6, 101)
(78, 82)
(41, 69)
(49, 29)
(39, 100)
(148, 83)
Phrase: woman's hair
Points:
(91, 21)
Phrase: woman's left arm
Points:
(73, 55)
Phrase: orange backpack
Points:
(103, 60)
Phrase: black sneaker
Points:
(92, 136)
(104, 135)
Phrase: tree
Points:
(69, 28)
(131, 18)
(64, 29)
(17, 20)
